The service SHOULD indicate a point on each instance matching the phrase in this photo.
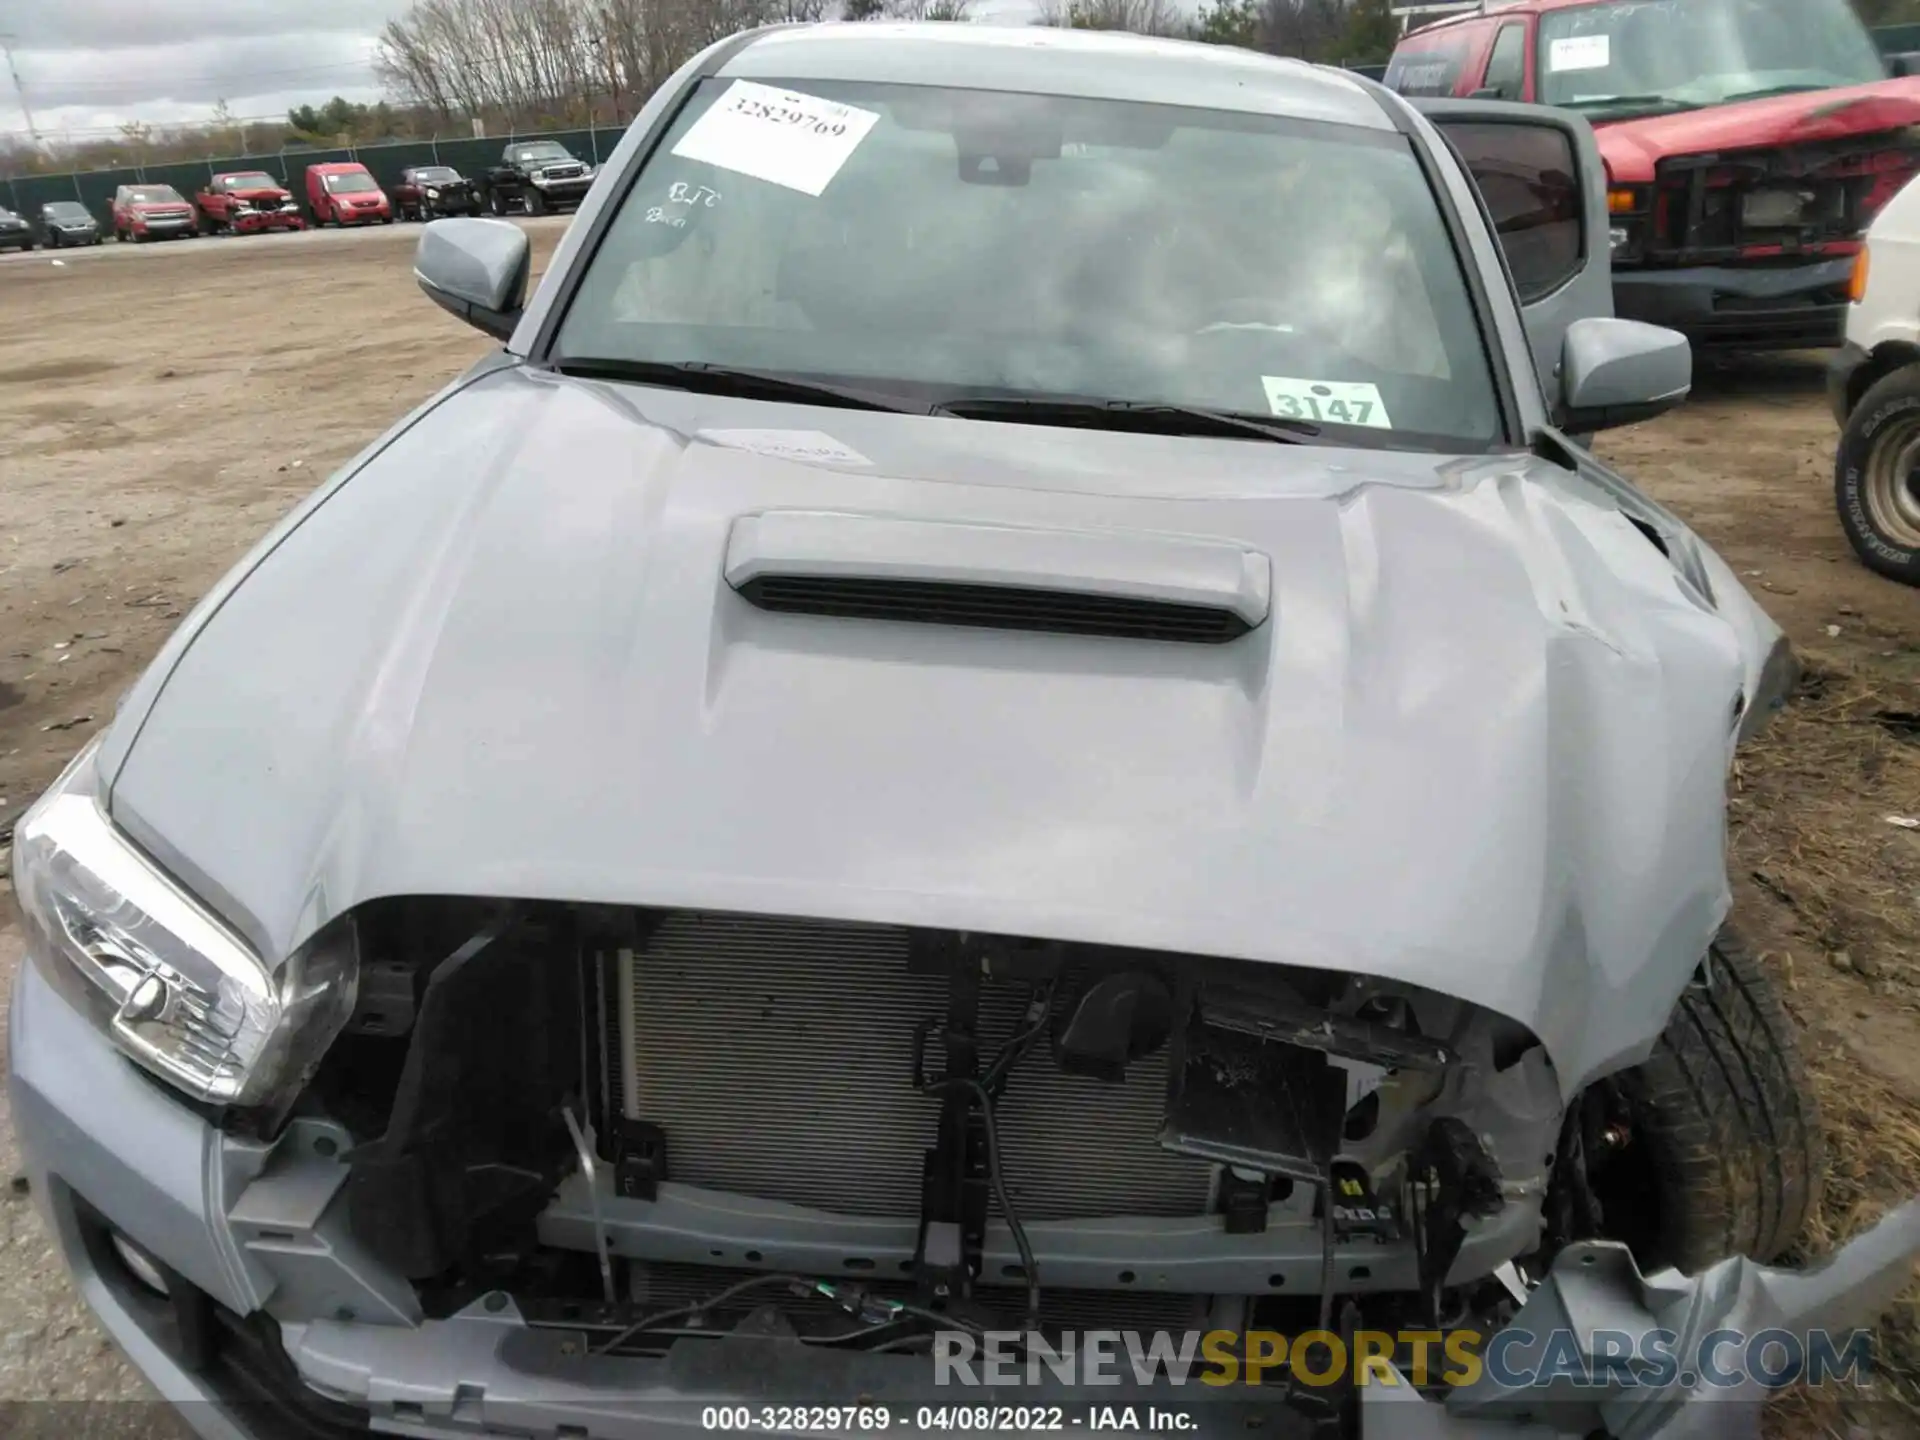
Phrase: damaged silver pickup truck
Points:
(1006, 713)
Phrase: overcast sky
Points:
(91, 65)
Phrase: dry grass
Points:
(1836, 890)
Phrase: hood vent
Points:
(1066, 582)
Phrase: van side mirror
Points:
(476, 269)
(1620, 372)
(1903, 64)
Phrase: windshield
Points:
(251, 182)
(154, 195)
(545, 150)
(942, 244)
(358, 183)
(67, 210)
(438, 176)
(1643, 56)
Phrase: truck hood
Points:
(1479, 745)
(1632, 148)
(275, 196)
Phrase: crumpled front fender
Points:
(1596, 1290)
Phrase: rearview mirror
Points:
(1620, 372)
(477, 269)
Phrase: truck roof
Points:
(337, 167)
(1093, 64)
(1497, 7)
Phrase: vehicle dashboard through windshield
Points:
(946, 244)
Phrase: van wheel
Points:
(1876, 477)
(1719, 1150)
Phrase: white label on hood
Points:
(811, 447)
(1580, 52)
(782, 136)
(1334, 402)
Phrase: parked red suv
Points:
(245, 202)
(346, 194)
(151, 212)
(1748, 144)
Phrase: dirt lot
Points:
(160, 407)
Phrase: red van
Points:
(345, 194)
(1748, 144)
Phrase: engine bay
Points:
(650, 1125)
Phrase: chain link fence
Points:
(94, 188)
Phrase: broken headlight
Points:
(159, 973)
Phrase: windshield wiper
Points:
(1149, 416)
(710, 379)
(1650, 103)
(1769, 92)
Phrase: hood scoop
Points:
(1069, 582)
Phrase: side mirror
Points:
(1903, 64)
(478, 269)
(1620, 372)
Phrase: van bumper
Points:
(1746, 307)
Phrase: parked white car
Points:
(1874, 383)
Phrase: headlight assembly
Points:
(161, 975)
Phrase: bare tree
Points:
(1309, 28)
(955, 10)
(1142, 17)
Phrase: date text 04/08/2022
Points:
(839, 1419)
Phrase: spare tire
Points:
(1723, 1152)
(1876, 476)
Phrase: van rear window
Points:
(1431, 68)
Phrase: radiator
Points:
(778, 1057)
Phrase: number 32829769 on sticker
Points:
(1337, 402)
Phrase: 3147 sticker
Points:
(1336, 402)
(781, 136)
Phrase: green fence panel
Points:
(469, 157)
(186, 176)
(96, 191)
(385, 162)
(1897, 39)
(27, 194)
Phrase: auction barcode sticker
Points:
(781, 136)
(1580, 52)
(1344, 402)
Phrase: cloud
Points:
(118, 25)
(88, 66)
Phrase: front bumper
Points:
(564, 192)
(258, 221)
(1741, 307)
(297, 1318)
(160, 228)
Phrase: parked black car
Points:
(534, 177)
(428, 191)
(67, 222)
(15, 233)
